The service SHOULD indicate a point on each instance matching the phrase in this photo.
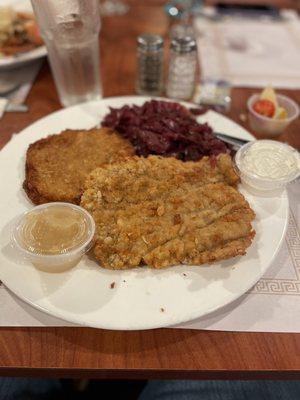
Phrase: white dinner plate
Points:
(83, 294)
(18, 60)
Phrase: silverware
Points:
(16, 107)
(233, 141)
(7, 106)
(7, 86)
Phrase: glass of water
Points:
(70, 30)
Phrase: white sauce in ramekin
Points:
(267, 165)
(271, 160)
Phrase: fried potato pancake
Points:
(57, 166)
(162, 211)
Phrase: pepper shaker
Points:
(182, 68)
(149, 64)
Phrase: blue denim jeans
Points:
(29, 389)
(221, 390)
(48, 389)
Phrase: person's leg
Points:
(28, 389)
(221, 390)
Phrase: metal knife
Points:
(236, 142)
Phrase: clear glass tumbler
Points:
(70, 30)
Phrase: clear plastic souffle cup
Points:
(269, 126)
(65, 258)
(272, 158)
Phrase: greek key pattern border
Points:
(284, 286)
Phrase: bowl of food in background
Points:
(271, 113)
(20, 40)
(18, 32)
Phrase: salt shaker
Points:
(149, 64)
(182, 68)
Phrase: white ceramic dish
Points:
(11, 62)
(83, 295)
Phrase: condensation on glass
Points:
(70, 30)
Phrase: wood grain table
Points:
(161, 353)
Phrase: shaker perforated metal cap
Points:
(183, 44)
(150, 42)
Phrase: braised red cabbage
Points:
(164, 128)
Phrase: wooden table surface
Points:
(161, 353)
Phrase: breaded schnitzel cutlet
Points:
(57, 166)
(162, 211)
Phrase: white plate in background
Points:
(18, 60)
